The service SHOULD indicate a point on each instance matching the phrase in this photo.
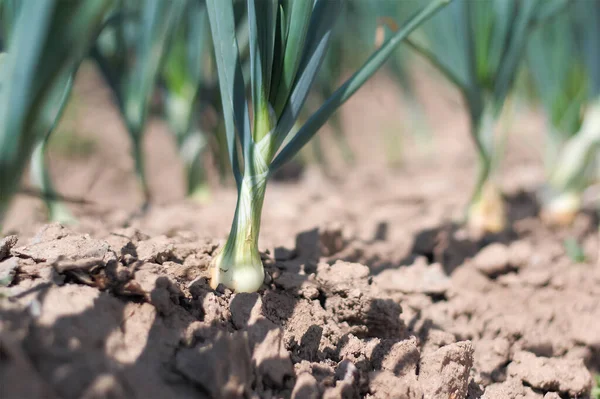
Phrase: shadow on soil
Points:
(447, 244)
(116, 347)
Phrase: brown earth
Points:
(372, 290)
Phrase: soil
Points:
(372, 289)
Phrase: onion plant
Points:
(39, 168)
(287, 43)
(479, 46)
(130, 54)
(564, 61)
(40, 176)
(185, 75)
(46, 42)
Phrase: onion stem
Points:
(569, 174)
(238, 265)
(140, 172)
(40, 177)
(486, 211)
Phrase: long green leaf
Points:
(516, 47)
(185, 68)
(44, 126)
(317, 43)
(299, 17)
(9, 10)
(318, 119)
(49, 39)
(262, 20)
(155, 30)
(587, 27)
(231, 80)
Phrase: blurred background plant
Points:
(157, 58)
(130, 53)
(564, 62)
(44, 43)
(189, 86)
(479, 46)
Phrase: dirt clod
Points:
(493, 260)
(155, 250)
(56, 243)
(272, 360)
(511, 388)
(568, 376)
(445, 372)
(417, 278)
(306, 387)
(384, 384)
(222, 368)
(8, 270)
(6, 244)
(552, 395)
(491, 355)
(401, 358)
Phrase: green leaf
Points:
(317, 43)
(154, 32)
(500, 16)
(450, 41)
(556, 65)
(514, 51)
(185, 68)
(49, 40)
(9, 10)
(586, 23)
(262, 40)
(231, 80)
(278, 50)
(548, 9)
(298, 17)
(44, 126)
(318, 119)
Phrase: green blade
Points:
(556, 66)
(49, 39)
(507, 69)
(317, 43)
(318, 119)
(587, 27)
(44, 126)
(262, 40)
(9, 10)
(299, 17)
(231, 80)
(185, 68)
(157, 22)
(550, 8)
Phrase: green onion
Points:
(46, 42)
(478, 46)
(39, 170)
(287, 44)
(564, 61)
(130, 53)
(40, 177)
